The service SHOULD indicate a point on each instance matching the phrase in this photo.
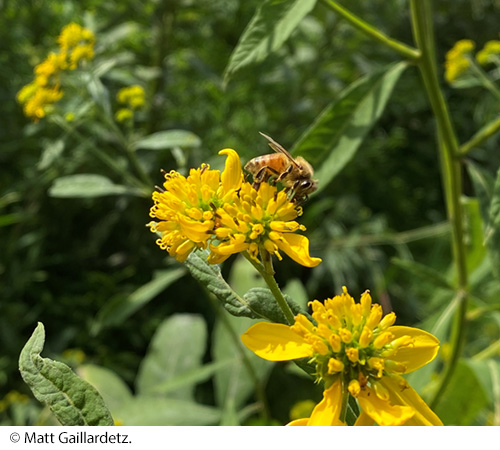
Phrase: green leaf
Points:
(463, 399)
(473, 225)
(234, 385)
(262, 301)
(488, 375)
(425, 273)
(158, 411)
(87, 186)
(52, 150)
(168, 139)
(114, 390)
(177, 347)
(115, 312)
(209, 275)
(483, 184)
(272, 24)
(192, 377)
(492, 230)
(336, 135)
(72, 400)
(244, 277)
(98, 92)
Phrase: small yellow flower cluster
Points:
(133, 97)
(356, 351)
(490, 49)
(457, 59)
(75, 44)
(220, 211)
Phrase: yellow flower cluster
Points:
(490, 49)
(75, 44)
(457, 60)
(133, 97)
(220, 211)
(357, 352)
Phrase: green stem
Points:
(451, 172)
(405, 50)
(487, 83)
(274, 288)
(259, 388)
(482, 135)
(345, 402)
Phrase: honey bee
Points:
(295, 173)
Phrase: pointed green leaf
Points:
(209, 275)
(270, 27)
(72, 400)
(168, 139)
(177, 347)
(488, 374)
(473, 228)
(87, 185)
(115, 312)
(159, 411)
(336, 135)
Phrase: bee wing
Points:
(278, 148)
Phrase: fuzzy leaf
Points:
(178, 346)
(262, 301)
(209, 275)
(72, 400)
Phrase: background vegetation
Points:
(88, 268)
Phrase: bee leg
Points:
(264, 174)
(285, 173)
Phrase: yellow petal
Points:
(298, 423)
(295, 246)
(275, 342)
(232, 176)
(364, 420)
(400, 392)
(424, 349)
(327, 411)
(382, 411)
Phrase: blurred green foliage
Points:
(63, 261)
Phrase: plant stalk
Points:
(403, 49)
(451, 173)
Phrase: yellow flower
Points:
(356, 352)
(37, 102)
(490, 49)
(50, 68)
(253, 220)
(124, 114)
(132, 96)
(457, 59)
(76, 43)
(187, 206)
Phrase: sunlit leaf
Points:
(87, 186)
(272, 24)
(72, 400)
(168, 139)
